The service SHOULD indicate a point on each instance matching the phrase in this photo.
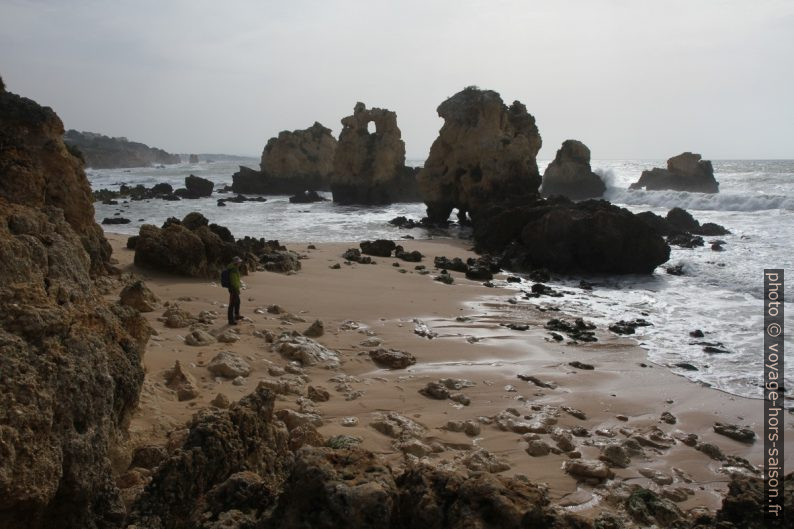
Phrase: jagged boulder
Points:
(570, 174)
(369, 168)
(138, 296)
(562, 236)
(485, 152)
(685, 172)
(70, 362)
(195, 248)
(220, 444)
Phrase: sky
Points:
(629, 78)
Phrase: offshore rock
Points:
(685, 172)
(369, 168)
(485, 152)
(562, 236)
(292, 163)
(570, 174)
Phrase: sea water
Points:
(720, 293)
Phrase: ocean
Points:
(720, 293)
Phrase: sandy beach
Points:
(363, 305)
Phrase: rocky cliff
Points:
(570, 175)
(103, 152)
(685, 172)
(70, 363)
(294, 162)
(485, 152)
(369, 167)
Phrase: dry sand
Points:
(385, 302)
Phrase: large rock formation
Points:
(194, 247)
(570, 174)
(70, 364)
(37, 170)
(485, 152)
(557, 234)
(103, 152)
(369, 168)
(305, 157)
(685, 172)
(294, 162)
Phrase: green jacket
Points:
(234, 278)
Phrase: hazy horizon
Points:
(632, 80)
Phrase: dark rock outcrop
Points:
(685, 172)
(195, 187)
(680, 227)
(484, 153)
(369, 168)
(306, 197)
(103, 152)
(570, 174)
(70, 363)
(562, 236)
(188, 247)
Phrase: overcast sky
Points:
(630, 78)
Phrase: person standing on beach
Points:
(234, 290)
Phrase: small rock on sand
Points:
(315, 330)
(229, 365)
(305, 350)
(668, 417)
(199, 338)
(737, 433)
(228, 336)
(435, 390)
(349, 421)
(318, 394)
(392, 358)
(138, 296)
(481, 460)
(586, 468)
(657, 476)
(182, 382)
(538, 448)
(220, 401)
(396, 426)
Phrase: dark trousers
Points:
(234, 306)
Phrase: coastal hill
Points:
(104, 152)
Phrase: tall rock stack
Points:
(293, 162)
(570, 174)
(70, 363)
(485, 152)
(369, 168)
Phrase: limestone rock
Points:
(369, 168)
(219, 444)
(305, 350)
(485, 152)
(138, 296)
(70, 363)
(685, 172)
(584, 468)
(392, 358)
(315, 330)
(570, 174)
(397, 426)
(199, 338)
(293, 162)
(228, 365)
(196, 187)
(182, 382)
(299, 160)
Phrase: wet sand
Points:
(384, 304)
